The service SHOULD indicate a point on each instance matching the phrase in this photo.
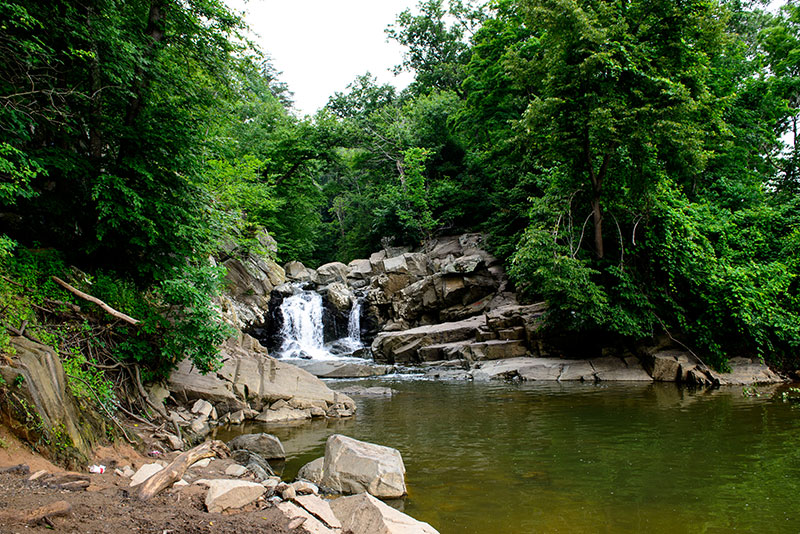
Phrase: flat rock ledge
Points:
(614, 369)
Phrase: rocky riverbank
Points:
(233, 490)
(449, 311)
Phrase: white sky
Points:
(320, 46)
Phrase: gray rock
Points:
(145, 472)
(265, 445)
(342, 369)
(403, 346)
(237, 417)
(43, 385)
(463, 265)
(665, 366)
(332, 272)
(304, 487)
(202, 407)
(340, 296)
(319, 508)
(254, 462)
(297, 520)
(353, 466)
(364, 514)
(287, 492)
(360, 269)
(249, 374)
(231, 494)
(747, 372)
(611, 368)
(235, 470)
(312, 471)
(283, 415)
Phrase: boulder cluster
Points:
(251, 385)
(246, 481)
(450, 309)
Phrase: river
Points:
(534, 458)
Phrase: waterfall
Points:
(302, 326)
(303, 334)
(354, 322)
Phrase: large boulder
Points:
(609, 368)
(745, 372)
(297, 272)
(265, 445)
(364, 514)
(249, 376)
(360, 269)
(340, 296)
(312, 471)
(332, 272)
(353, 466)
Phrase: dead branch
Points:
(108, 309)
(174, 471)
(41, 514)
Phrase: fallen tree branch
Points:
(174, 471)
(41, 514)
(108, 309)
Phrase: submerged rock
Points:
(265, 445)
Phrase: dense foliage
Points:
(636, 163)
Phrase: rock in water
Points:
(353, 466)
(312, 471)
(265, 445)
(364, 514)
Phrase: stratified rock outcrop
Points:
(250, 278)
(37, 403)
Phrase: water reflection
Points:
(550, 457)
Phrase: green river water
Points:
(531, 458)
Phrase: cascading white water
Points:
(353, 340)
(302, 329)
(354, 322)
(302, 326)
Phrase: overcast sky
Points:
(322, 45)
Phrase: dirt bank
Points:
(106, 506)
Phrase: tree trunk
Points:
(597, 218)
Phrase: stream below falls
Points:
(577, 458)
